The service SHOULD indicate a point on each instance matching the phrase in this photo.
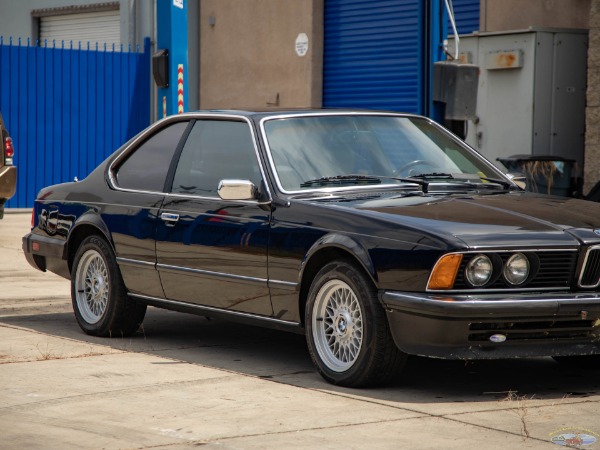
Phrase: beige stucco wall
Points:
(248, 57)
(501, 15)
(591, 169)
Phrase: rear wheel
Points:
(99, 297)
(347, 332)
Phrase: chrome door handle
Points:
(169, 218)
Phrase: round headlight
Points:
(479, 270)
(516, 269)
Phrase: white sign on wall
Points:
(302, 44)
(178, 3)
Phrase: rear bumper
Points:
(494, 326)
(46, 253)
(8, 182)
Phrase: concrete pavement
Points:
(184, 381)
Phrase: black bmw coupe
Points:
(377, 235)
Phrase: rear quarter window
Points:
(146, 168)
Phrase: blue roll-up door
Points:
(373, 55)
(466, 13)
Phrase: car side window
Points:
(215, 150)
(147, 167)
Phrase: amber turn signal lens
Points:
(444, 272)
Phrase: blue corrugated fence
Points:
(68, 108)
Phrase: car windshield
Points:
(310, 152)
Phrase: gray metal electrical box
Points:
(532, 92)
(455, 85)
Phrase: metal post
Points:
(171, 19)
(437, 33)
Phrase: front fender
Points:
(342, 242)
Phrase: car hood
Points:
(492, 220)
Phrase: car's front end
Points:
(529, 287)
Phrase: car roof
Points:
(259, 113)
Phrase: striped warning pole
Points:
(179, 88)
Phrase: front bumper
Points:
(494, 326)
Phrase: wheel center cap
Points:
(343, 323)
(98, 285)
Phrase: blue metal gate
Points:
(68, 108)
(373, 55)
(377, 52)
(466, 13)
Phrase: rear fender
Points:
(82, 228)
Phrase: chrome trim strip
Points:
(513, 250)
(516, 303)
(216, 310)
(135, 262)
(583, 267)
(358, 113)
(180, 118)
(171, 268)
(200, 197)
(272, 283)
(283, 284)
(491, 291)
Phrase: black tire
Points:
(100, 301)
(583, 362)
(347, 331)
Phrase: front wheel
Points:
(347, 332)
(98, 293)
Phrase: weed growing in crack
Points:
(46, 354)
(519, 406)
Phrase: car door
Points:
(139, 176)
(210, 251)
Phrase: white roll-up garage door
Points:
(102, 27)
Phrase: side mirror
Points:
(519, 179)
(237, 190)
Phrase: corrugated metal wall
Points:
(68, 109)
(373, 54)
(467, 14)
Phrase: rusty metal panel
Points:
(504, 59)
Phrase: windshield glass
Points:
(304, 149)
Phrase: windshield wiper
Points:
(341, 180)
(362, 179)
(464, 178)
(505, 184)
(434, 175)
